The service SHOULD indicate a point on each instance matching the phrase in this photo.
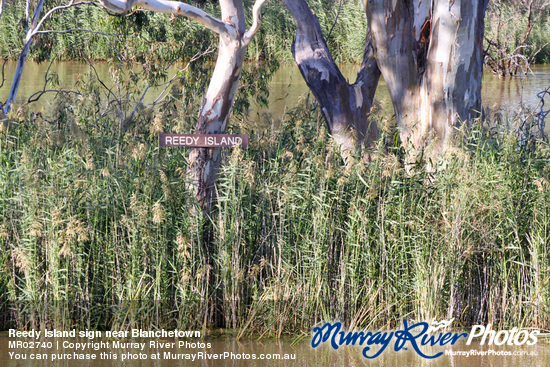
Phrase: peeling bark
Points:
(204, 163)
(430, 55)
(346, 107)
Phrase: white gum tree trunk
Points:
(204, 163)
(31, 32)
(346, 107)
(430, 55)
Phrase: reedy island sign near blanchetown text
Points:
(417, 335)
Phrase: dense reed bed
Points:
(96, 228)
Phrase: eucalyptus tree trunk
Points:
(346, 107)
(204, 163)
(430, 55)
(31, 32)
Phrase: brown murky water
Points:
(287, 87)
(255, 353)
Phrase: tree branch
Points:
(1, 8)
(53, 10)
(173, 7)
(27, 12)
(23, 56)
(257, 16)
(77, 30)
(3, 79)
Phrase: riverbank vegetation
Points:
(96, 231)
(510, 30)
(145, 30)
(517, 35)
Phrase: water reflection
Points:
(504, 95)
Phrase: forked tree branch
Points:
(173, 7)
(257, 21)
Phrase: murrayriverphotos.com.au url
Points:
(489, 352)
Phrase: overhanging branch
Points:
(257, 21)
(176, 8)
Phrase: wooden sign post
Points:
(203, 140)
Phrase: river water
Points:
(504, 95)
(269, 353)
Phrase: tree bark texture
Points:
(430, 54)
(346, 107)
(204, 163)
